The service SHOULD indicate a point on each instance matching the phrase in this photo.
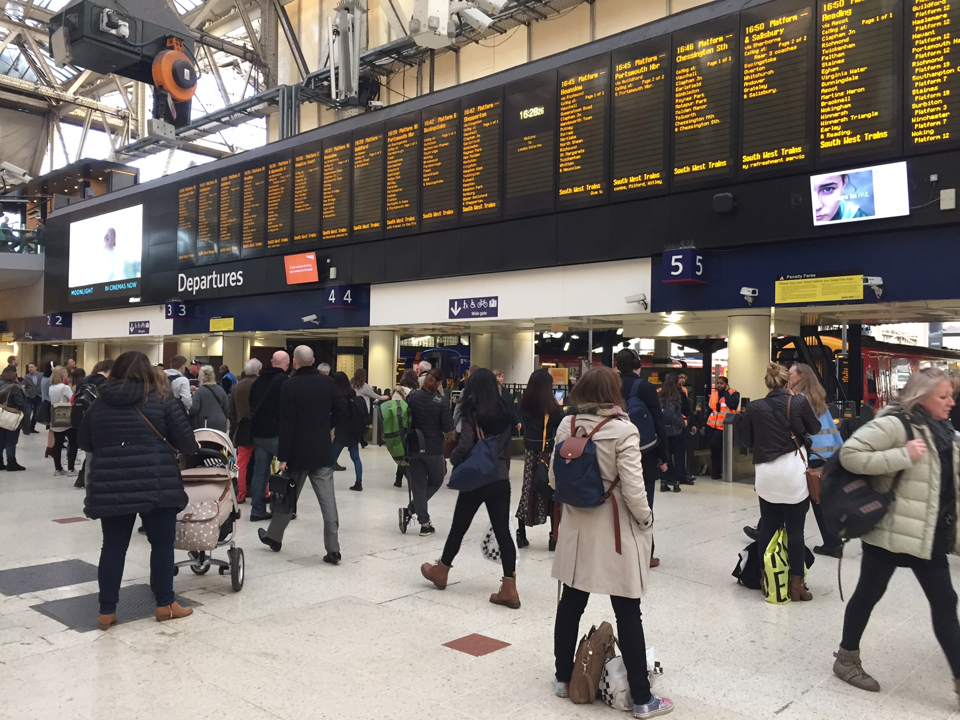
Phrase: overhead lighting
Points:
(619, 331)
(575, 337)
(566, 346)
(597, 351)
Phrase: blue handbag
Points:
(480, 467)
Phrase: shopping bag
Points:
(776, 570)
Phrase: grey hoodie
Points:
(180, 387)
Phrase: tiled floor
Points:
(366, 639)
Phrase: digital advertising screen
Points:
(105, 254)
(866, 193)
(301, 268)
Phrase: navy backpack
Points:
(640, 416)
(577, 472)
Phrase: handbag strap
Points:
(546, 418)
(159, 434)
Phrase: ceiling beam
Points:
(30, 89)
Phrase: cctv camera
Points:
(491, 6)
(639, 299)
(476, 19)
(874, 282)
(749, 294)
(309, 318)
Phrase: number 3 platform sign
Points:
(684, 267)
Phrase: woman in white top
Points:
(777, 427)
(61, 392)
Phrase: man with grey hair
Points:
(423, 367)
(324, 368)
(240, 425)
(309, 408)
(265, 425)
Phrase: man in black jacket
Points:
(653, 460)
(265, 407)
(308, 409)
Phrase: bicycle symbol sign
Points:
(472, 308)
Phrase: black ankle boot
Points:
(522, 541)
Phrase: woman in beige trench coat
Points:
(586, 559)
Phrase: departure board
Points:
(704, 91)
(776, 104)
(231, 216)
(441, 166)
(584, 96)
(254, 212)
(640, 110)
(529, 131)
(279, 205)
(187, 226)
(337, 158)
(368, 183)
(208, 222)
(933, 83)
(306, 195)
(403, 175)
(860, 59)
(480, 141)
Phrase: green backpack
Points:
(395, 425)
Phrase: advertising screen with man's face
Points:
(106, 250)
(861, 194)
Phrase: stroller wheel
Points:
(200, 569)
(223, 570)
(235, 555)
(176, 570)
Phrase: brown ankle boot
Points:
(105, 621)
(508, 593)
(436, 573)
(172, 612)
(798, 589)
(847, 667)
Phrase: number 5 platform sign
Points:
(683, 267)
(473, 308)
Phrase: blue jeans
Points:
(161, 528)
(8, 445)
(264, 450)
(354, 451)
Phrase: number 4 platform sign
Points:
(473, 308)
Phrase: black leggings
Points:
(496, 496)
(876, 569)
(773, 516)
(629, 637)
(70, 437)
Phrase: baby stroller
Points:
(208, 521)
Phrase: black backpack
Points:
(673, 419)
(357, 416)
(81, 403)
(851, 506)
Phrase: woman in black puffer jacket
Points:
(133, 430)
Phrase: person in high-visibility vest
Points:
(723, 400)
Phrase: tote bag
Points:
(481, 466)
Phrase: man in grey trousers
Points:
(308, 411)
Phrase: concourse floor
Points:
(366, 639)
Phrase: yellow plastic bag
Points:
(776, 570)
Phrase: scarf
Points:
(943, 433)
(603, 410)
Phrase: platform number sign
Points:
(341, 296)
(684, 267)
(60, 320)
(174, 310)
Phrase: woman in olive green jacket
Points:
(919, 531)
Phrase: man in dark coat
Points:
(308, 409)
(265, 408)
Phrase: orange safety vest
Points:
(718, 414)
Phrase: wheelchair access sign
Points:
(473, 308)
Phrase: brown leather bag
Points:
(813, 475)
(596, 647)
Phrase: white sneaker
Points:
(60, 473)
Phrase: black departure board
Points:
(480, 164)
(705, 81)
(860, 59)
(231, 216)
(337, 158)
(932, 90)
(187, 226)
(640, 119)
(208, 221)
(776, 103)
(368, 183)
(279, 205)
(529, 131)
(440, 177)
(254, 212)
(584, 96)
(403, 175)
(306, 195)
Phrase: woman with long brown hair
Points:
(134, 431)
(676, 409)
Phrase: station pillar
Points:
(481, 346)
(348, 362)
(513, 353)
(749, 353)
(233, 353)
(382, 370)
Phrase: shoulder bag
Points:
(596, 647)
(813, 475)
(159, 434)
(61, 415)
(480, 467)
(10, 417)
(540, 479)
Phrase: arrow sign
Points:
(455, 309)
(474, 308)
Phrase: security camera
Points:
(640, 299)
(874, 282)
(491, 6)
(749, 294)
(311, 319)
(476, 19)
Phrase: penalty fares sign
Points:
(818, 288)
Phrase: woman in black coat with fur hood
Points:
(134, 430)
